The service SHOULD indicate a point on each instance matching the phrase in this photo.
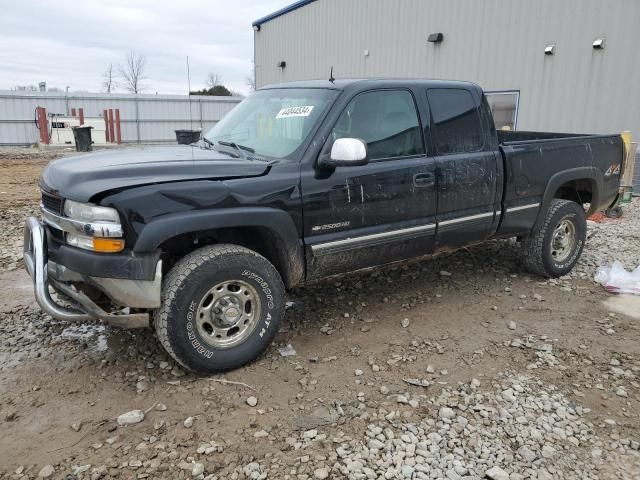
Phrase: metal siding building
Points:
(498, 44)
(144, 118)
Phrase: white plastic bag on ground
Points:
(618, 280)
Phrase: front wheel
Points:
(555, 248)
(221, 307)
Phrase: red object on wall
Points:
(106, 126)
(111, 132)
(73, 112)
(118, 132)
(81, 113)
(43, 125)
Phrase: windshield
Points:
(271, 123)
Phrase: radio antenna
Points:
(331, 79)
(189, 94)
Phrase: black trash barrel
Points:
(187, 137)
(82, 135)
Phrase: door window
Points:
(456, 122)
(386, 120)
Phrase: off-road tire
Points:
(185, 286)
(536, 248)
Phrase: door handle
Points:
(424, 180)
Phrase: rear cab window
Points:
(456, 122)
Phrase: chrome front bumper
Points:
(130, 293)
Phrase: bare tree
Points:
(132, 72)
(213, 80)
(250, 80)
(108, 79)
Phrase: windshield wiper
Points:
(208, 142)
(239, 148)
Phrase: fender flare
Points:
(560, 178)
(278, 222)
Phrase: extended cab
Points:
(302, 181)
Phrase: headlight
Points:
(99, 229)
(87, 212)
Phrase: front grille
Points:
(52, 203)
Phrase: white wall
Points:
(498, 44)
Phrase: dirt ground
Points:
(387, 349)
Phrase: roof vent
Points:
(550, 49)
(282, 64)
(435, 38)
(598, 43)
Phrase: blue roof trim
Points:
(283, 11)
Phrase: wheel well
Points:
(579, 191)
(259, 239)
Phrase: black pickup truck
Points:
(299, 182)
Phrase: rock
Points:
(496, 473)
(287, 351)
(508, 395)
(309, 434)
(76, 426)
(321, 473)
(131, 418)
(621, 392)
(78, 469)
(198, 469)
(252, 401)
(358, 372)
(161, 407)
(188, 422)
(384, 390)
(446, 412)
(526, 454)
(548, 451)
(47, 471)
(260, 434)
(444, 273)
(405, 322)
(512, 325)
(537, 297)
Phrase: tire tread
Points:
(532, 246)
(180, 272)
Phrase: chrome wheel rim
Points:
(228, 313)
(563, 240)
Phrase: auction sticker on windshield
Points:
(301, 111)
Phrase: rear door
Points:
(467, 166)
(361, 216)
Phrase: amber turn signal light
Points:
(108, 245)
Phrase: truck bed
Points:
(535, 164)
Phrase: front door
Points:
(361, 216)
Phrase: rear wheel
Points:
(555, 248)
(221, 307)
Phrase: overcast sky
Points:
(73, 42)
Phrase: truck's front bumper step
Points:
(83, 308)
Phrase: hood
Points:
(80, 177)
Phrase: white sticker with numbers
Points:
(302, 111)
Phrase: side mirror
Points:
(347, 152)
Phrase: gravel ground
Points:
(460, 367)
